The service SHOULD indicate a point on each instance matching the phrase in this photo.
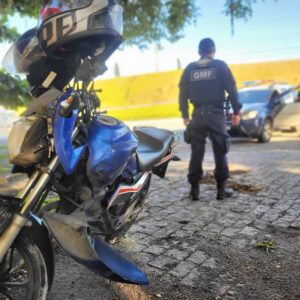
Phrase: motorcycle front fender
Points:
(72, 236)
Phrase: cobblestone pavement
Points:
(208, 249)
(209, 246)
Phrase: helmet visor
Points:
(116, 15)
(19, 57)
(13, 67)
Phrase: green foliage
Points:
(238, 9)
(150, 21)
(10, 7)
(266, 245)
(13, 90)
(7, 34)
(145, 21)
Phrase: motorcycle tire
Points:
(28, 266)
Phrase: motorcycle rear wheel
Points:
(23, 273)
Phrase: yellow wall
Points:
(163, 87)
(287, 71)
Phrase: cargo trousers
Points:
(208, 121)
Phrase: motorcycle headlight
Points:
(248, 115)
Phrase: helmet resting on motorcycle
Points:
(68, 31)
(25, 51)
(65, 23)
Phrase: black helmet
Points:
(68, 21)
(207, 46)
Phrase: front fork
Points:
(29, 195)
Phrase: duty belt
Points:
(209, 108)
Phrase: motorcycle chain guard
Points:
(72, 236)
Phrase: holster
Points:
(187, 134)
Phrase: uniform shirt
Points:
(204, 82)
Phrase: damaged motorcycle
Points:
(99, 169)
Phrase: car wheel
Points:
(267, 131)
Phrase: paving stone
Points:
(163, 262)
(249, 231)
(157, 250)
(212, 227)
(240, 243)
(143, 257)
(181, 234)
(219, 289)
(296, 224)
(151, 230)
(177, 254)
(226, 221)
(281, 224)
(260, 224)
(163, 233)
(183, 269)
(191, 279)
(245, 220)
(260, 209)
(230, 232)
(198, 257)
(136, 228)
(211, 263)
(136, 247)
(190, 246)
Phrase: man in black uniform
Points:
(204, 83)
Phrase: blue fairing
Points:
(63, 129)
(110, 142)
(111, 146)
(92, 252)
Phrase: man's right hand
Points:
(186, 121)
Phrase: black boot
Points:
(223, 192)
(195, 191)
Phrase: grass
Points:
(4, 164)
(3, 158)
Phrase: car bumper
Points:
(250, 128)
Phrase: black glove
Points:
(187, 134)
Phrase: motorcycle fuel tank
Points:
(111, 145)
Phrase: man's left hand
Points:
(186, 121)
(236, 119)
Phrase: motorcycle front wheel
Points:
(23, 273)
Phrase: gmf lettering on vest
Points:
(203, 74)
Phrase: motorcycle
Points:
(99, 168)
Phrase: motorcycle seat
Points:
(153, 146)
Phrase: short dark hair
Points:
(206, 46)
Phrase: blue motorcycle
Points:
(99, 168)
